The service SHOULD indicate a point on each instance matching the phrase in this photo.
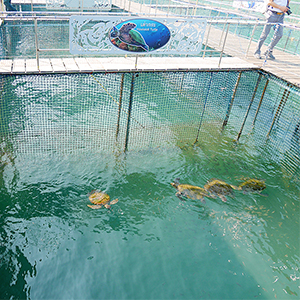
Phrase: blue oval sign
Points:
(139, 35)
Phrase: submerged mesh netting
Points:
(107, 112)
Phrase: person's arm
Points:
(282, 8)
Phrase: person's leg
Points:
(264, 34)
(262, 38)
(278, 33)
(277, 36)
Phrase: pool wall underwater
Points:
(131, 135)
(62, 113)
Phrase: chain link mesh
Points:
(105, 112)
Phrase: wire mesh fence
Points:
(59, 114)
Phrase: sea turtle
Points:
(100, 199)
(219, 188)
(129, 36)
(189, 191)
(252, 185)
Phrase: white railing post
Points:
(221, 54)
(36, 44)
(246, 55)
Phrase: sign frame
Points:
(90, 35)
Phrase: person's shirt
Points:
(279, 2)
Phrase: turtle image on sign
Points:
(139, 35)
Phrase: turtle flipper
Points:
(201, 198)
(177, 180)
(114, 201)
(138, 39)
(213, 196)
(97, 206)
(223, 198)
(179, 195)
(235, 187)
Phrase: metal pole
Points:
(297, 46)
(36, 45)
(223, 30)
(208, 32)
(231, 101)
(209, 13)
(129, 4)
(223, 46)
(250, 104)
(195, 8)
(287, 39)
(246, 55)
(281, 105)
(208, 90)
(260, 101)
(129, 112)
(181, 84)
(120, 105)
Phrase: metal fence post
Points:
(246, 55)
(281, 105)
(248, 110)
(231, 101)
(260, 102)
(287, 39)
(221, 54)
(36, 44)
(204, 106)
(208, 32)
(129, 112)
(120, 105)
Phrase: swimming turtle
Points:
(219, 188)
(100, 199)
(189, 191)
(129, 36)
(252, 185)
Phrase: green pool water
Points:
(150, 245)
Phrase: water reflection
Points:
(268, 234)
(17, 38)
(49, 230)
(52, 241)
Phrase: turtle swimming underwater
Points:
(100, 199)
(129, 36)
(219, 188)
(252, 185)
(190, 191)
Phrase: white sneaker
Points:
(257, 55)
(270, 55)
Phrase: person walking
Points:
(274, 14)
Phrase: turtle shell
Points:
(217, 186)
(192, 191)
(99, 198)
(252, 185)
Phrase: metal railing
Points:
(46, 34)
